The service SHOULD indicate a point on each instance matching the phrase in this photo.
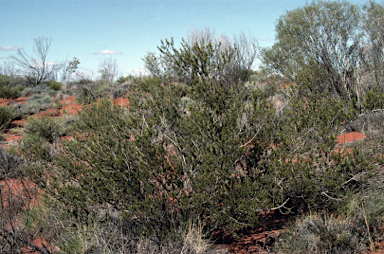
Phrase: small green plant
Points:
(33, 147)
(6, 117)
(54, 85)
(10, 92)
(374, 99)
(123, 79)
(45, 127)
(9, 88)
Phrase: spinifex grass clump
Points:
(319, 233)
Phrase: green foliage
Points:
(54, 85)
(374, 99)
(6, 116)
(199, 61)
(208, 149)
(8, 88)
(123, 79)
(90, 92)
(47, 128)
(35, 148)
(324, 33)
(304, 143)
(373, 20)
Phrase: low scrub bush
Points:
(38, 89)
(9, 165)
(323, 233)
(212, 150)
(45, 127)
(35, 148)
(6, 117)
(90, 92)
(9, 87)
(54, 85)
(123, 79)
(10, 92)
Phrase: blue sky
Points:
(93, 30)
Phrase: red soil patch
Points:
(121, 102)
(18, 195)
(69, 106)
(69, 100)
(39, 244)
(18, 122)
(349, 137)
(285, 86)
(257, 240)
(48, 112)
(72, 109)
(66, 138)
(3, 102)
(11, 138)
(20, 100)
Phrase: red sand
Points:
(349, 137)
(19, 122)
(121, 102)
(38, 243)
(69, 106)
(48, 112)
(10, 138)
(3, 102)
(66, 138)
(24, 190)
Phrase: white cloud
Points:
(50, 63)
(137, 71)
(9, 48)
(107, 52)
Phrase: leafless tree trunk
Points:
(36, 68)
(108, 69)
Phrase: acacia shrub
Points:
(209, 150)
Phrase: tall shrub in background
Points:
(322, 33)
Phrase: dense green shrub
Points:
(35, 148)
(54, 85)
(90, 92)
(374, 99)
(210, 150)
(10, 92)
(123, 79)
(45, 127)
(9, 89)
(6, 116)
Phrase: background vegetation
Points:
(208, 145)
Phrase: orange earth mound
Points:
(349, 137)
